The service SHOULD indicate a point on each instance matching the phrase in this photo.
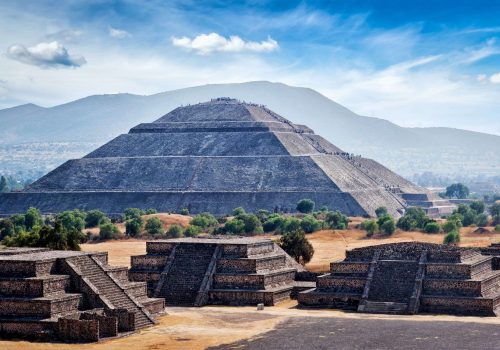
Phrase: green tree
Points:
(481, 220)
(273, 223)
(32, 218)
(457, 190)
(251, 223)
(71, 219)
(414, 218)
(3, 184)
(310, 224)
(192, 231)
(175, 231)
(433, 227)
(204, 220)
(495, 213)
(290, 224)
(336, 220)
(18, 222)
(108, 230)
(133, 226)
(184, 211)
(381, 211)
(452, 237)
(370, 226)
(388, 226)
(238, 211)
(469, 218)
(133, 213)
(234, 226)
(450, 225)
(94, 218)
(150, 211)
(154, 226)
(6, 228)
(296, 245)
(477, 206)
(305, 206)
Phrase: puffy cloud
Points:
(45, 55)
(495, 78)
(118, 33)
(207, 43)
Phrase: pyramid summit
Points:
(216, 156)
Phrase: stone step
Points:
(380, 307)
(318, 299)
(268, 297)
(34, 286)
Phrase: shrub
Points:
(414, 218)
(192, 231)
(310, 224)
(432, 227)
(72, 219)
(108, 231)
(204, 220)
(381, 211)
(494, 211)
(305, 206)
(370, 226)
(450, 225)
(150, 211)
(388, 226)
(290, 224)
(296, 245)
(477, 206)
(32, 218)
(154, 226)
(336, 220)
(234, 226)
(185, 211)
(274, 222)
(263, 215)
(238, 211)
(469, 218)
(133, 213)
(175, 231)
(133, 227)
(452, 237)
(251, 223)
(481, 220)
(94, 218)
(323, 209)
(6, 228)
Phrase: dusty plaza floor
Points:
(287, 327)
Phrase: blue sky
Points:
(419, 63)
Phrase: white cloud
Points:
(495, 78)
(118, 33)
(205, 44)
(45, 55)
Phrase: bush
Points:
(370, 226)
(133, 226)
(273, 223)
(450, 225)
(185, 211)
(469, 218)
(310, 224)
(238, 211)
(290, 224)
(296, 245)
(336, 220)
(234, 226)
(305, 206)
(251, 223)
(6, 228)
(32, 218)
(481, 220)
(204, 220)
(414, 218)
(263, 215)
(175, 231)
(192, 231)
(323, 209)
(150, 211)
(72, 219)
(133, 213)
(388, 226)
(494, 211)
(94, 218)
(452, 237)
(477, 206)
(108, 231)
(432, 227)
(154, 226)
(381, 211)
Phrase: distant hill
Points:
(96, 119)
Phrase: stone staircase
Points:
(230, 271)
(111, 290)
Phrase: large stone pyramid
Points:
(216, 156)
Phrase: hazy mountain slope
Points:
(407, 150)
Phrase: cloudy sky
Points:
(424, 63)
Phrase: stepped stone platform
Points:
(408, 278)
(216, 156)
(69, 296)
(229, 271)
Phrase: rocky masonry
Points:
(195, 271)
(217, 156)
(407, 278)
(69, 296)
